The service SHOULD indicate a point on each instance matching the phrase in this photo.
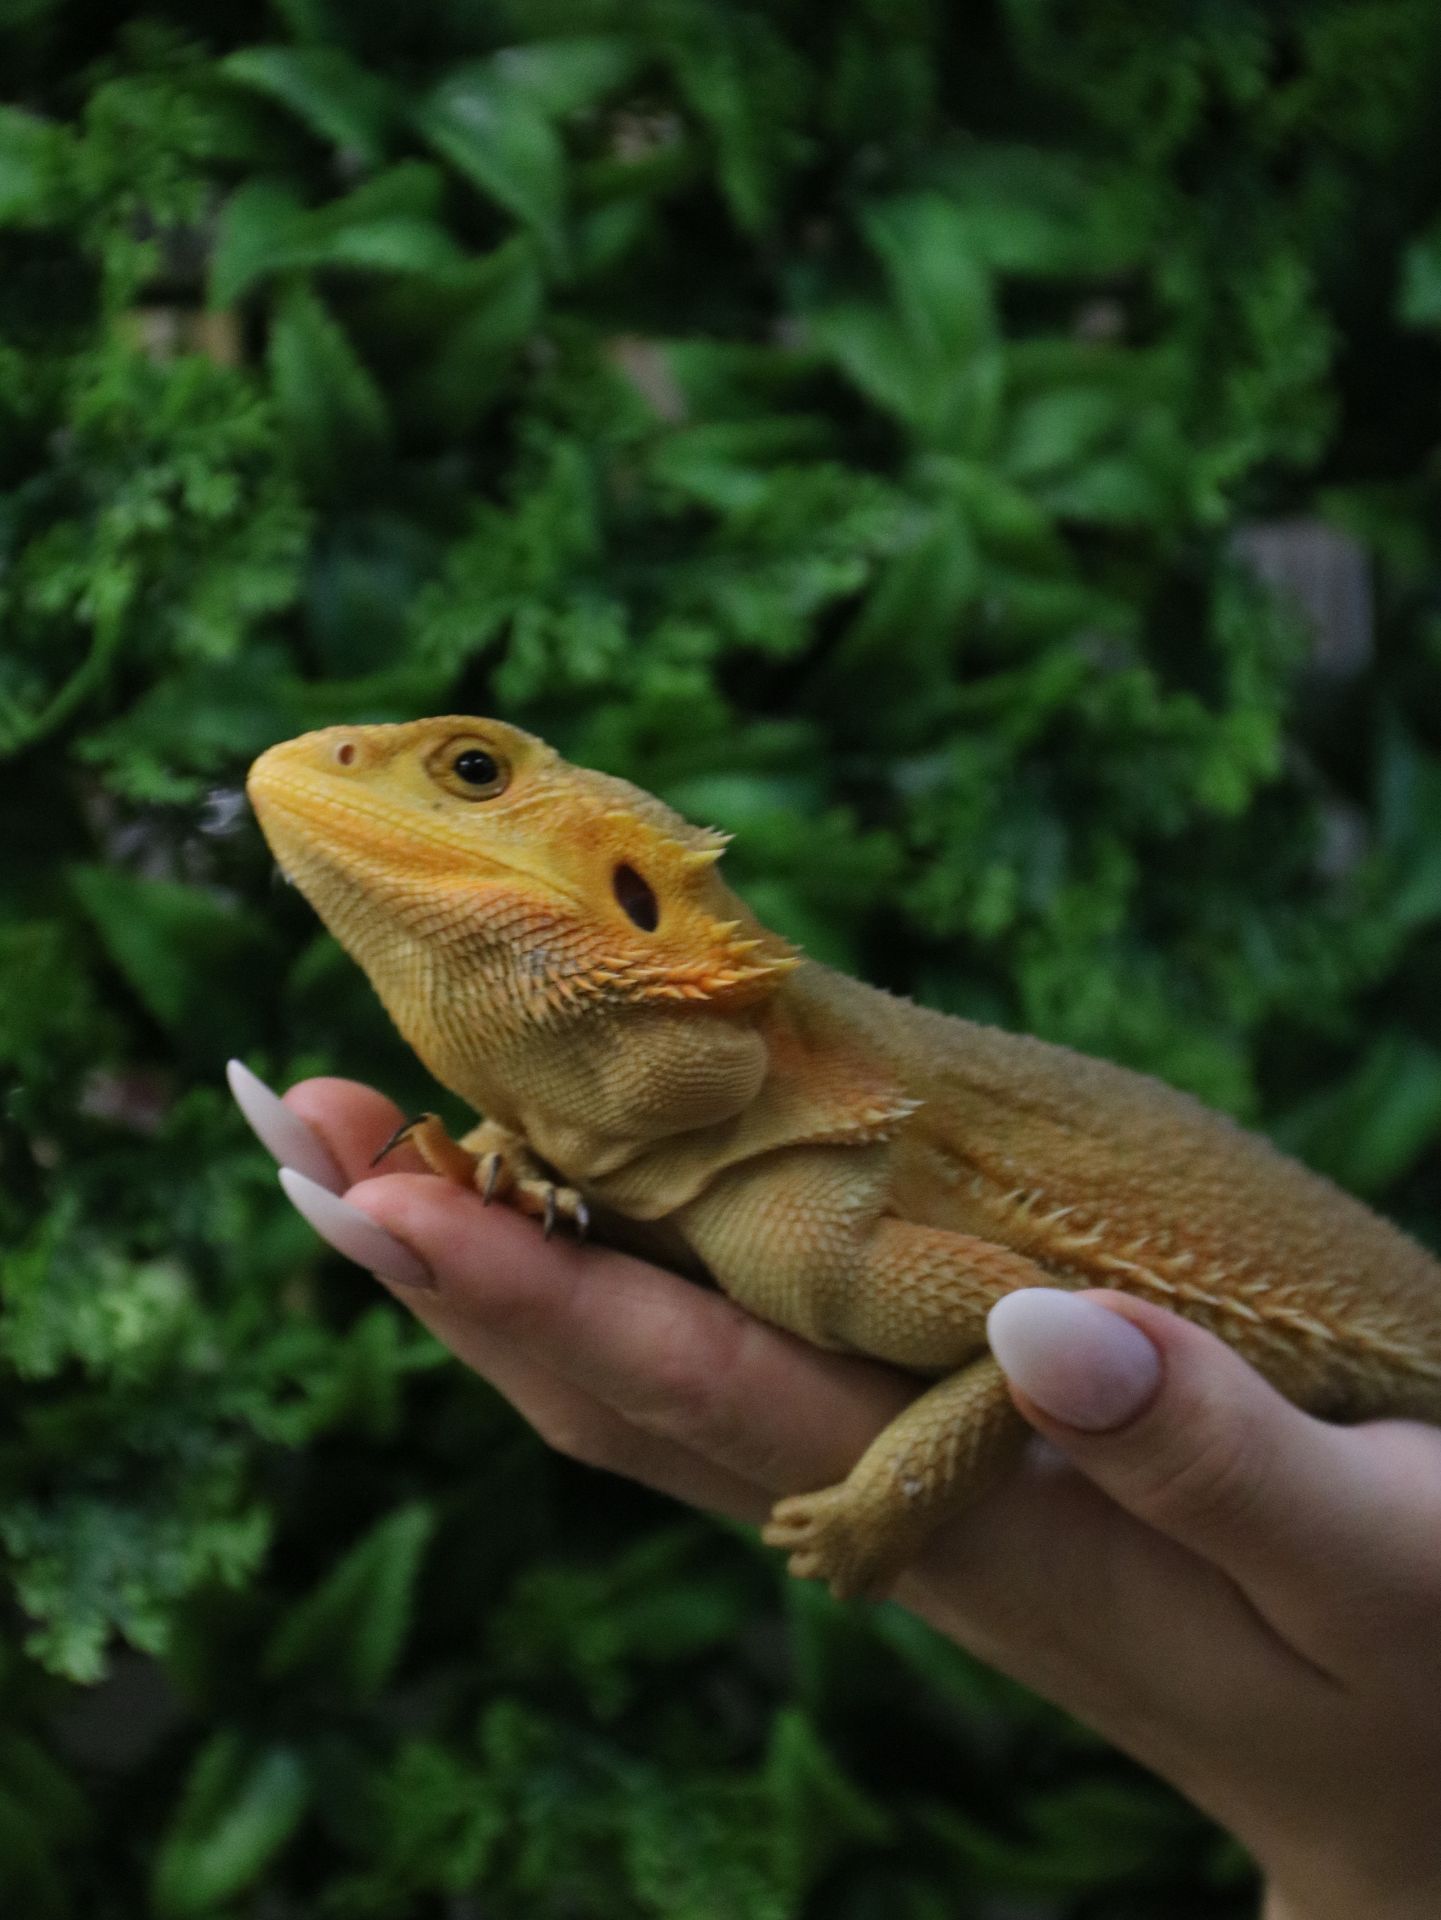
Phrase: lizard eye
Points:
(477, 768)
(637, 897)
(472, 773)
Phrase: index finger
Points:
(355, 1122)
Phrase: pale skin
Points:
(1242, 1597)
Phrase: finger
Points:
(287, 1137)
(583, 1429)
(1163, 1416)
(349, 1121)
(1048, 1579)
(568, 1418)
(353, 1122)
(329, 1130)
(675, 1360)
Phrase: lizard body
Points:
(560, 950)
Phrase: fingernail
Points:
(1078, 1361)
(283, 1134)
(354, 1233)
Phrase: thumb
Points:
(1177, 1428)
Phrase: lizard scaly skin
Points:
(560, 950)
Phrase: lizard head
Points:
(460, 843)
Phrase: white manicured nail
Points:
(1078, 1361)
(283, 1134)
(354, 1233)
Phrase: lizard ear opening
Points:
(637, 898)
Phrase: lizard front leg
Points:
(499, 1163)
(799, 1240)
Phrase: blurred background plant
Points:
(987, 458)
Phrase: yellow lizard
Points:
(561, 952)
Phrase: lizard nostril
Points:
(345, 753)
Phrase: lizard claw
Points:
(553, 1206)
(492, 1176)
(563, 1204)
(402, 1132)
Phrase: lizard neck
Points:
(588, 1083)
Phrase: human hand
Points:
(1244, 1598)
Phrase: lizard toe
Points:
(827, 1539)
(553, 1206)
(428, 1135)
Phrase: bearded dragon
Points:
(561, 952)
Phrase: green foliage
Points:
(850, 422)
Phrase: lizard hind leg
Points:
(948, 1446)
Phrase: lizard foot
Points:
(829, 1537)
(498, 1165)
(507, 1169)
